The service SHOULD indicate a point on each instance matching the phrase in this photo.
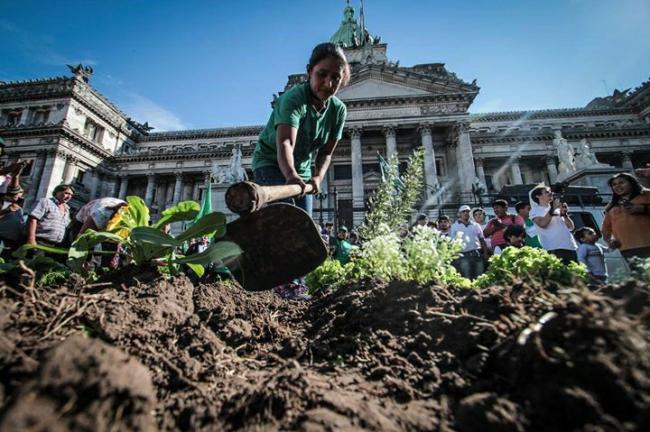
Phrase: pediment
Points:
(372, 88)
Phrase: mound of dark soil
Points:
(371, 356)
(84, 384)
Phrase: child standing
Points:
(592, 254)
(343, 246)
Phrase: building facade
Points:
(75, 135)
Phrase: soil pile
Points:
(167, 355)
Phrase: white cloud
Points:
(144, 110)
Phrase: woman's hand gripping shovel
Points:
(280, 242)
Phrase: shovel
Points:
(279, 242)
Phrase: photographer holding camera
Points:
(554, 225)
(627, 217)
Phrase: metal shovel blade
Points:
(280, 242)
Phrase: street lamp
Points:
(321, 196)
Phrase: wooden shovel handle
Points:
(247, 197)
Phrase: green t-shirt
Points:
(314, 130)
(534, 240)
(342, 252)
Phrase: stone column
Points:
(627, 161)
(430, 173)
(391, 141)
(169, 196)
(151, 183)
(161, 193)
(178, 187)
(52, 174)
(196, 190)
(480, 171)
(515, 172)
(552, 168)
(465, 156)
(24, 117)
(69, 170)
(115, 187)
(94, 185)
(358, 201)
(124, 184)
(37, 175)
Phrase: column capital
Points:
(355, 132)
(462, 127)
(424, 129)
(178, 174)
(479, 160)
(550, 159)
(150, 174)
(389, 130)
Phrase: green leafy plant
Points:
(429, 255)
(329, 274)
(393, 201)
(424, 257)
(147, 245)
(47, 271)
(530, 264)
(54, 277)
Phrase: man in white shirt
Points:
(470, 264)
(554, 225)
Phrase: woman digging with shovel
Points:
(307, 120)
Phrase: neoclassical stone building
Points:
(75, 135)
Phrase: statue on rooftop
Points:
(585, 158)
(230, 174)
(565, 154)
(80, 71)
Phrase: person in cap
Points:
(12, 222)
(470, 264)
(50, 217)
(343, 246)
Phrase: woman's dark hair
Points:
(536, 192)
(637, 189)
(514, 230)
(326, 50)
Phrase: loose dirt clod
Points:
(369, 356)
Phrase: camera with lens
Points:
(558, 189)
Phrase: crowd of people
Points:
(543, 222)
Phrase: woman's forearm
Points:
(322, 164)
(286, 139)
(285, 160)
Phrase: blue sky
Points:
(202, 64)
